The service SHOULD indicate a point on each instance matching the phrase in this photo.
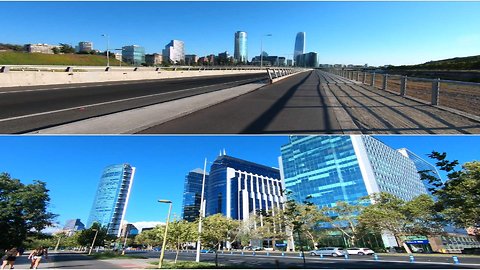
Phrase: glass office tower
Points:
(236, 188)
(174, 52)
(346, 168)
(422, 165)
(192, 194)
(240, 50)
(113, 192)
(299, 45)
(133, 54)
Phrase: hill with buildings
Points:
(22, 58)
(457, 63)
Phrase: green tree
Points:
(390, 213)
(217, 229)
(151, 238)
(66, 48)
(86, 236)
(55, 50)
(345, 219)
(23, 210)
(179, 233)
(458, 198)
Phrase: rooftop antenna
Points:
(224, 152)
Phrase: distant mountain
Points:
(457, 63)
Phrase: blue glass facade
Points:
(422, 165)
(237, 188)
(192, 194)
(299, 45)
(240, 50)
(133, 54)
(112, 196)
(346, 168)
(324, 167)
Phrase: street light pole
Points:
(108, 53)
(261, 49)
(201, 214)
(94, 238)
(162, 253)
(125, 242)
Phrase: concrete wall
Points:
(29, 78)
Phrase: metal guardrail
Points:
(53, 68)
(463, 96)
(275, 73)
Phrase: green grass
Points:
(113, 255)
(22, 58)
(168, 264)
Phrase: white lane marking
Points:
(109, 102)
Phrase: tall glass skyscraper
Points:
(299, 45)
(236, 188)
(346, 168)
(192, 194)
(240, 51)
(113, 192)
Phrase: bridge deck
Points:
(319, 102)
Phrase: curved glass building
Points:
(240, 52)
(112, 196)
(192, 194)
(236, 188)
(299, 45)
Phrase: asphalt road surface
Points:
(319, 102)
(25, 109)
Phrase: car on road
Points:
(360, 251)
(328, 251)
(253, 248)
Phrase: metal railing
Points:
(462, 96)
(275, 73)
(55, 68)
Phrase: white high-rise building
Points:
(174, 52)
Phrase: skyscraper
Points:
(422, 165)
(113, 192)
(236, 188)
(240, 52)
(174, 52)
(346, 168)
(299, 45)
(192, 194)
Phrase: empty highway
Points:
(24, 109)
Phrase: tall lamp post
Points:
(201, 214)
(261, 49)
(93, 242)
(162, 253)
(108, 53)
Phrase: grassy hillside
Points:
(21, 58)
(457, 63)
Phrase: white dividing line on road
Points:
(109, 102)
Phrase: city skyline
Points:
(162, 163)
(374, 33)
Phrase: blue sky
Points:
(376, 33)
(71, 165)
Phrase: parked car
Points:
(207, 251)
(328, 251)
(253, 248)
(360, 251)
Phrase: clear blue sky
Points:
(71, 165)
(376, 33)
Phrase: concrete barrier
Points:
(19, 78)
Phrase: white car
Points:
(360, 251)
(328, 251)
